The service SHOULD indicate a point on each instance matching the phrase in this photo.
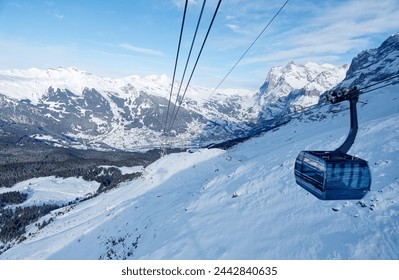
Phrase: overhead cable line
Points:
(363, 92)
(188, 58)
(256, 39)
(177, 58)
(380, 82)
(195, 65)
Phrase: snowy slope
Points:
(52, 190)
(242, 203)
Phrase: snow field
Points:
(52, 190)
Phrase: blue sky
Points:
(139, 37)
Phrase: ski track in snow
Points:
(242, 203)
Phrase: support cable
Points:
(195, 65)
(363, 92)
(188, 59)
(177, 58)
(380, 82)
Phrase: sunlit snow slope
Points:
(242, 203)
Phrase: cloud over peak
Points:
(136, 49)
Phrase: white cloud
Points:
(146, 51)
(58, 15)
(351, 20)
(340, 29)
(237, 29)
(181, 3)
(54, 12)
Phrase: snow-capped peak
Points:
(33, 83)
(293, 86)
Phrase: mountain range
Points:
(72, 108)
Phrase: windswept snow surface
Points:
(243, 203)
(52, 190)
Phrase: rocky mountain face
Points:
(374, 65)
(70, 107)
(293, 88)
